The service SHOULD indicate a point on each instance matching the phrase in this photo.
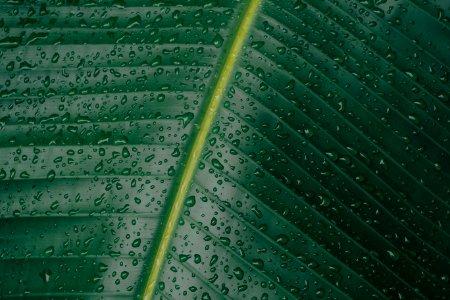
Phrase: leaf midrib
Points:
(194, 155)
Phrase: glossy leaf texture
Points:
(325, 174)
(98, 101)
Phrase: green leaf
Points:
(224, 149)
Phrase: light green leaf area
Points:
(224, 149)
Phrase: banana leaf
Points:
(224, 149)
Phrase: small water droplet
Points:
(393, 254)
(258, 263)
(2, 174)
(49, 251)
(217, 164)
(239, 273)
(136, 243)
(218, 41)
(213, 260)
(282, 239)
(290, 85)
(184, 257)
(186, 118)
(125, 152)
(99, 166)
(190, 201)
(45, 275)
(176, 152)
(124, 274)
(102, 267)
(51, 176)
(171, 171)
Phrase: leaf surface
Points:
(224, 149)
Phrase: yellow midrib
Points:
(198, 145)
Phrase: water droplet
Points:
(290, 85)
(258, 263)
(299, 5)
(45, 275)
(10, 66)
(99, 200)
(125, 152)
(24, 175)
(282, 239)
(136, 243)
(197, 258)
(263, 87)
(437, 167)
(176, 152)
(124, 274)
(213, 260)
(213, 278)
(54, 205)
(100, 288)
(190, 201)
(239, 273)
(391, 55)
(242, 288)
(257, 44)
(51, 176)
(109, 22)
(414, 118)
(256, 211)
(186, 118)
(217, 41)
(309, 132)
(411, 74)
(216, 163)
(259, 173)
(134, 22)
(55, 58)
(99, 166)
(281, 50)
(10, 42)
(49, 251)
(393, 254)
(102, 267)
(225, 240)
(171, 171)
(320, 292)
(184, 257)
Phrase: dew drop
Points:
(49, 251)
(217, 164)
(51, 176)
(190, 201)
(239, 273)
(184, 257)
(217, 41)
